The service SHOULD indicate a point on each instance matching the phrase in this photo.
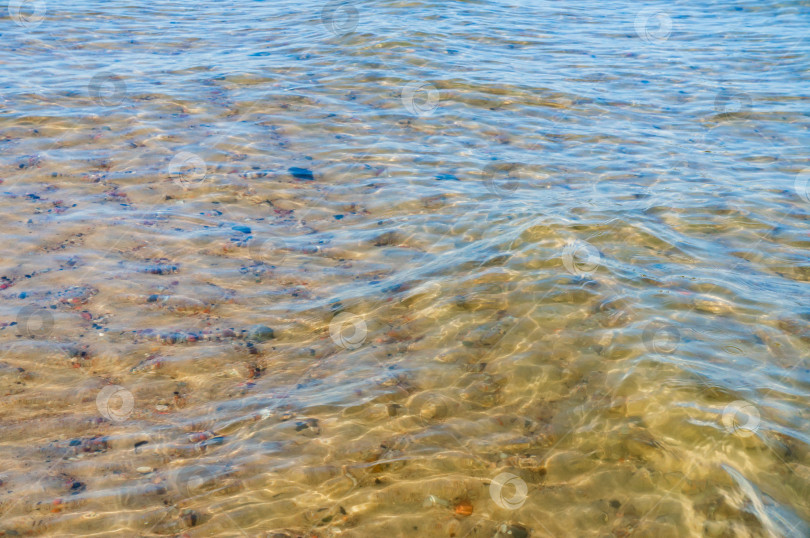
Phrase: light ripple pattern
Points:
(458, 268)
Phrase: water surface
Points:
(457, 268)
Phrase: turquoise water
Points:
(409, 268)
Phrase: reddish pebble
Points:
(464, 508)
(198, 437)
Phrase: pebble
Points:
(309, 426)
(713, 305)
(463, 508)
(243, 229)
(144, 470)
(198, 437)
(161, 269)
(261, 333)
(388, 239)
(189, 517)
(301, 173)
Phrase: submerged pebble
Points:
(261, 333)
(161, 269)
(304, 174)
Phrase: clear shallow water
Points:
(561, 249)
